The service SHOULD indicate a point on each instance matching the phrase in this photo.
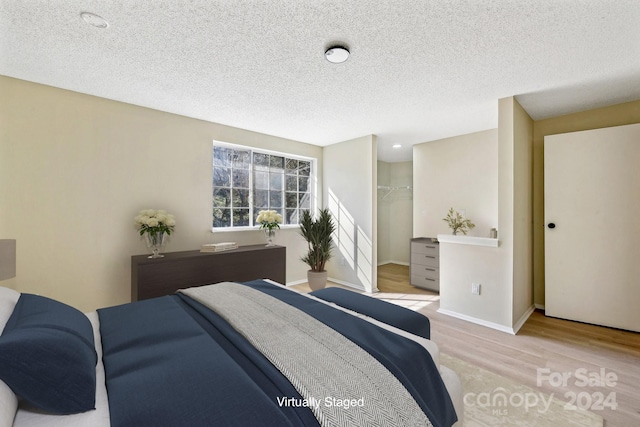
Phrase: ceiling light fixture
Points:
(337, 54)
(396, 145)
(95, 20)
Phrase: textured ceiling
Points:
(419, 70)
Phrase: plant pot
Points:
(317, 279)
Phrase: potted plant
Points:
(457, 222)
(155, 226)
(317, 232)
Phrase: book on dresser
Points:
(218, 247)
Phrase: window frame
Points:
(312, 184)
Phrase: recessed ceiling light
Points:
(337, 54)
(95, 20)
(396, 145)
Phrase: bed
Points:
(230, 354)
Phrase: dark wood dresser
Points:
(152, 278)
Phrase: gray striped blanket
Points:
(339, 381)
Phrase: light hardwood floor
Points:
(544, 349)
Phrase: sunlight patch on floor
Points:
(413, 302)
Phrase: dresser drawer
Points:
(424, 248)
(425, 282)
(425, 259)
(425, 271)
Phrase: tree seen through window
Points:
(246, 181)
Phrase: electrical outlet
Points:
(475, 288)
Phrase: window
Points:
(246, 181)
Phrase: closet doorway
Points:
(395, 226)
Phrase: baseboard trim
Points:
(477, 321)
(539, 306)
(523, 319)
(296, 282)
(394, 262)
(502, 328)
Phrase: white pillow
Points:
(8, 400)
(8, 300)
(8, 405)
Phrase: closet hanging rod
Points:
(392, 189)
(386, 187)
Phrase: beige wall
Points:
(350, 171)
(459, 172)
(522, 212)
(75, 170)
(616, 115)
(395, 212)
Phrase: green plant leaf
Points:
(318, 234)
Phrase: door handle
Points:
(551, 225)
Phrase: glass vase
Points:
(270, 234)
(155, 242)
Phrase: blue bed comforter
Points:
(170, 361)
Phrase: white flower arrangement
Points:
(269, 219)
(154, 222)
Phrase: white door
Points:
(592, 226)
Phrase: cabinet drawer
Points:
(425, 282)
(425, 271)
(424, 248)
(425, 259)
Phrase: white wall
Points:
(462, 172)
(522, 212)
(459, 172)
(488, 174)
(384, 216)
(350, 181)
(462, 265)
(395, 212)
(75, 170)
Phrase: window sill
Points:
(237, 229)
